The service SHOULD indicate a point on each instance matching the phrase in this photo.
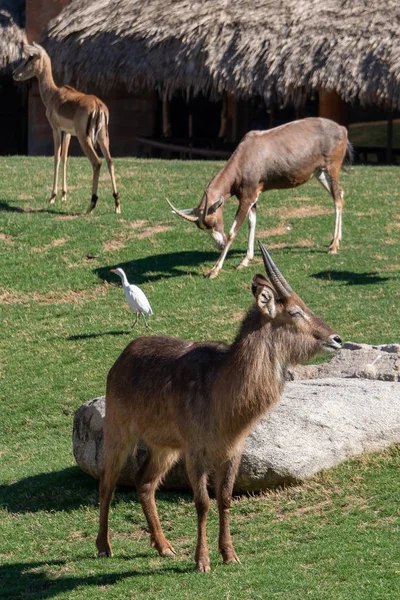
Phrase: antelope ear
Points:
(264, 294)
(32, 49)
(214, 207)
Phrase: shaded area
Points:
(58, 490)
(67, 489)
(350, 278)
(161, 266)
(31, 579)
(87, 336)
(5, 206)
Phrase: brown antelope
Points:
(200, 400)
(280, 158)
(70, 112)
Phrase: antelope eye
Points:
(296, 312)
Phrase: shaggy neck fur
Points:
(256, 365)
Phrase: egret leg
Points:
(145, 322)
(136, 320)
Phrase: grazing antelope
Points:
(200, 400)
(70, 112)
(280, 158)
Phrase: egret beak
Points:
(113, 271)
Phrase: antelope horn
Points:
(205, 211)
(185, 214)
(276, 277)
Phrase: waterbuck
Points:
(200, 400)
(70, 112)
(279, 158)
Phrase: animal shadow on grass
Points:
(31, 579)
(350, 278)
(161, 266)
(67, 489)
(5, 206)
(87, 336)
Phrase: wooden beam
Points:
(184, 149)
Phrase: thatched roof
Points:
(276, 49)
(12, 34)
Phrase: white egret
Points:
(135, 298)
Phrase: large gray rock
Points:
(317, 424)
(356, 360)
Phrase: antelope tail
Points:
(97, 120)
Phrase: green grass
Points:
(65, 322)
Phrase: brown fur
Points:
(279, 158)
(200, 400)
(70, 112)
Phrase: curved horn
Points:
(276, 277)
(205, 210)
(185, 214)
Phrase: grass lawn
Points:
(65, 322)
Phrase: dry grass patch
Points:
(53, 244)
(116, 244)
(279, 230)
(306, 243)
(152, 231)
(65, 217)
(4, 237)
(53, 297)
(297, 212)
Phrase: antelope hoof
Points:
(167, 552)
(163, 549)
(118, 210)
(64, 197)
(245, 263)
(104, 553)
(203, 565)
(92, 204)
(52, 199)
(103, 548)
(229, 556)
(332, 250)
(212, 274)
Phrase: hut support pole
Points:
(166, 123)
(389, 146)
(224, 118)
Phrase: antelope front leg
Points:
(148, 477)
(252, 217)
(57, 146)
(224, 480)
(337, 236)
(239, 218)
(198, 480)
(64, 154)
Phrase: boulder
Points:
(356, 360)
(317, 424)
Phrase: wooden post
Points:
(38, 14)
(389, 142)
(224, 118)
(332, 106)
(232, 117)
(166, 124)
(190, 125)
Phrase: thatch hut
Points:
(258, 47)
(12, 34)
(279, 52)
(13, 99)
